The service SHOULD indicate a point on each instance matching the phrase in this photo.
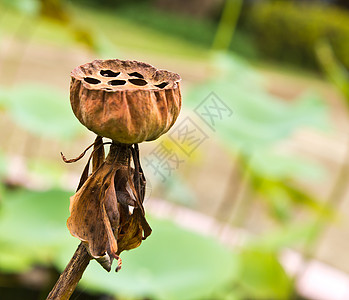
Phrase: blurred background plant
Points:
(249, 206)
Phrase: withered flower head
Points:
(100, 210)
(128, 102)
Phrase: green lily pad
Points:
(43, 110)
(173, 263)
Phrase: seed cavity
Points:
(136, 74)
(161, 85)
(140, 82)
(92, 80)
(116, 82)
(109, 73)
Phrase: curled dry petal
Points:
(88, 220)
(100, 214)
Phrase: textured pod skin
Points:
(126, 101)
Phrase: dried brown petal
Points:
(130, 235)
(98, 156)
(87, 220)
(100, 214)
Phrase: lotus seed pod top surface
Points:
(126, 101)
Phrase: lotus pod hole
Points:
(136, 74)
(162, 85)
(91, 80)
(126, 101)
(116, 82)
(109, 73)
(137, 81)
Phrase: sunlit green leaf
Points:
(262, 276)
(335, 71)
(175, 189)
(4, 98)
(50, 171)
(30, 7)
(283, 198)
(32, 227)
(42, 212)
(43, 110)
(280, 203)
(12, 259)
(259, 120)
(295, 234)
(172, 263)
(270, 165)
(3, 164)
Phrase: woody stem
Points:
(71, 275)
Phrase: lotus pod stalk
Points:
(128, 102)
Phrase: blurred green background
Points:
(252, 205)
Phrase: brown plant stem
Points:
(71, 275)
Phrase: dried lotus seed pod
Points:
(126, 101)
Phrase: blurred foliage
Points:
(262, 276)
(282, 199)
(55, 11)
(201, 31)
(41, 110)
(3, 166)
(259, 124)
(192, 267)
(140, 36)
(259, 119)
(112, 3)
(30, 7)
(147, 13)
(147, 16)
(227, 24)
(33, 231)
(100, 23)
(31, 228)
(174, 263)
(289, 30)
(177, 190)
(336, 72)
